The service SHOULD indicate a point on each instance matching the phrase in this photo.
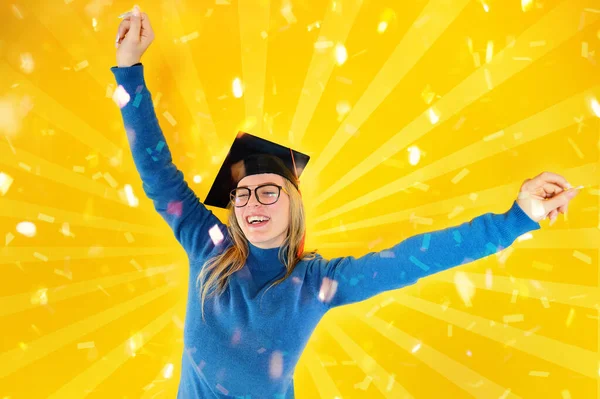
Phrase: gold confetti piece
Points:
(27, 63)
(65, 230)
(5, 183)
(421, 186)
(237, 88)
(545, 302)
(85, 345)
(342, 108)
(46, 218)
(264, 34)
(156, 99)
(488, 79)
(110, 180)
(169, 118)
(539, 43)
(371, 312)
(129, 237)
(526, 5)
(40, 256)
(522, 58)
(322, 44)
(565, 394)
(287, 13)
(187, 38)
(382, 27)
(513, 299)
(584, 49)
(36, 329)
(81, 65)
(489, 52)
(68, 275)
(460, 175)
(513, 318)
(9, 238)
(40, 297)
(341, 55)
(582, 257)
(136, 265)
(23, 165)
(575, 148)
(414, 154)
(539, 373)
(471, 325)
(494, 136)
(476, 60)
(570, 317)
(314, 25)
(459, 123)
(78, 169)
(470, 44)
(458, 209)
(427, 94)
(209, 12)
(542, 266)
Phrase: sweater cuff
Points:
(519, 221)
(132, 74)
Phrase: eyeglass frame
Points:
(250, 190)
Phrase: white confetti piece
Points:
(169, 118)
(215, 234)
(5, 183)
(465, 288)
(433, 116)
(382, 27)
(341, 55)
(513, 318)
(595, 107)
(65, 230)
(414, 155)
(515, 294)
(27, 229)
(121, 97)
(416, 348)
(40, 297)
(458, 209)
(322, 44)
(286, 12)
(46, 218)
(489, 52)
(237, 87)
(167, 371)
(24, 166)
(85, 345)
(27, 63)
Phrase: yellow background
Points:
(491, 93)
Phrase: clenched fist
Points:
(546, 195)
(133, 37)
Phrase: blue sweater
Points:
(248, 350)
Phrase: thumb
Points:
(134, 29)
(561, 199)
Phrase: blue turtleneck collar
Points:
(263, 259)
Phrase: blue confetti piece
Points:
(426, 241)
(491, 248)
(137, 100)
(418, 263)
(457, 236)
(152, 152)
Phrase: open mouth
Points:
(257, 222)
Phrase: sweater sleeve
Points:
(346, 280)
(162, 181)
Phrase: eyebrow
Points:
(269, 182)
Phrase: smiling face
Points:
(273, 233)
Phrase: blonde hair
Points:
(215, 272)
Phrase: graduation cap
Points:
(252, 155)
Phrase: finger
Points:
(124, 27)
(549, 177)
(550, 190)
(134, 29)
(146, 26)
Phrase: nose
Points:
(252, 200)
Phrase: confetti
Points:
(322, 43)
(488, 79)
(539, 373)
(416, 348)
(494, 136)
(513, 299)
(458, 209)
(286, 12)
(215, 234)
(489, 52)
(5, 183)
(575, 148)
(565, 394)
(276, 364)
(460, 175)
(426, 241)
(327, 290)
(526, 5)
(584, 49)
(382, 27)
(595, 107)
(66, 231)
(237, 88)
(465, 288)
(129, 237)
(433, 116)
(27, 229)
(78, 169)
(85, 345)
(427, 94)
(414, 154)
(40, 297)
(513, 318)
(187, 38)
(9, 237)
(582, 257)
(83, 64)
(27, 63)
(24, 166)
(314, 25)
(570, 317)
(68, 275)
(121, 97)
(169, 118)
(341, 55)
(545, 302)
(132, 200)
(342, 108)
(167, 371)
(488, 279)
(46, 218)
(110, 180)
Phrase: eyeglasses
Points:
(266, 194)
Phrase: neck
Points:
(264, 258)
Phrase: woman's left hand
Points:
(546, 195)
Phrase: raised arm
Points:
(347, 280)
(162, 182)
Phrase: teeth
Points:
(253, 219)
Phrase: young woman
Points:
(255, 296)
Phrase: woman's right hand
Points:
(133, 38)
